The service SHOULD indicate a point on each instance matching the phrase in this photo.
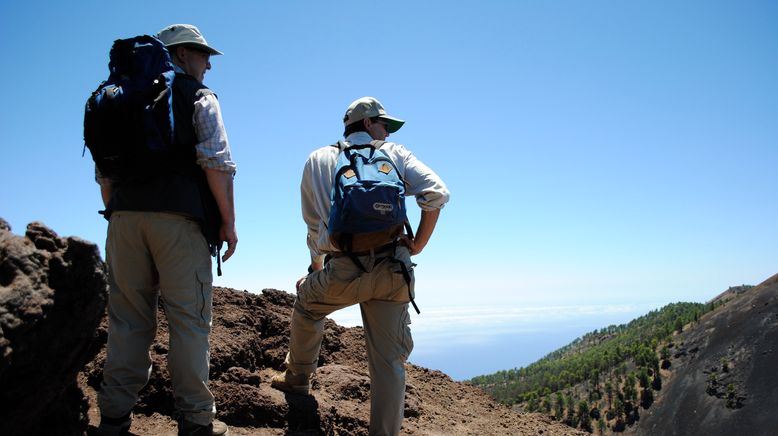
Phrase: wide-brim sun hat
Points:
(369, 107)
(185, 35)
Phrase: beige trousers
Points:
(152, 254)
(383, 296)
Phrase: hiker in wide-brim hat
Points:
(164, 227)
(185, 35)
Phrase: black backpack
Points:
(128, 119)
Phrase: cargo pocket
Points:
(406, 340)
(403, 280)
(314, 287)
(205, 297)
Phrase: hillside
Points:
(657, 374)
(53, 331)
(592, 383)
(722, 378)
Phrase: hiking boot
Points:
(189, 428)
(114, 426)
(292, 383)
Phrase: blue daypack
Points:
(128, 119)
(368, 198)
(368, 204)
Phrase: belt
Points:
(376, 250)
(379, 250)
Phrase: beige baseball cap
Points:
(186, 35)
(369, 107)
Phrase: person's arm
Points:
(431, 196)
(315, 201)
(423, 234)
(215, 158)
(221, 186)
(106, 186)
(106, 189)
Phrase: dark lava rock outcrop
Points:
(52, 297)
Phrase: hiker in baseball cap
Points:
(370, 107)
(185, 35)
(365, 270)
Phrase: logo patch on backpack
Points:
(368, 196)
(383, 208)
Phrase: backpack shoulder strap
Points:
(341, 145)
(353, 150)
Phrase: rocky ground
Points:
(249, 341)
(52, 337)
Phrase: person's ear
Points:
(180, 53)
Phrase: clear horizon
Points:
(464, 342)
(599, 153)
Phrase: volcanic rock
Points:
(52, 297)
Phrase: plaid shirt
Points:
(213, 148)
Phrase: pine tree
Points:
(647, 398)
(559, 406)
(545, 405)
(643, 378)
(629, 388)
(657, 383)
(570, 418)
(601, 425)
(583, 416)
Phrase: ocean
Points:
(464, 342)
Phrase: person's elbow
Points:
(433, 200)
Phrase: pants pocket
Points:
(204, 296)
(406, 339)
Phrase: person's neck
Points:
(359, 138)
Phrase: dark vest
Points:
(176, 183)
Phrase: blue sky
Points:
(598, 153)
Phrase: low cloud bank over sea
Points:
(464, 342)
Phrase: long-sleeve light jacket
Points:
(318, 175)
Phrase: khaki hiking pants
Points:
(383, 297)
(151, 254)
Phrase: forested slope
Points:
(600, 380)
